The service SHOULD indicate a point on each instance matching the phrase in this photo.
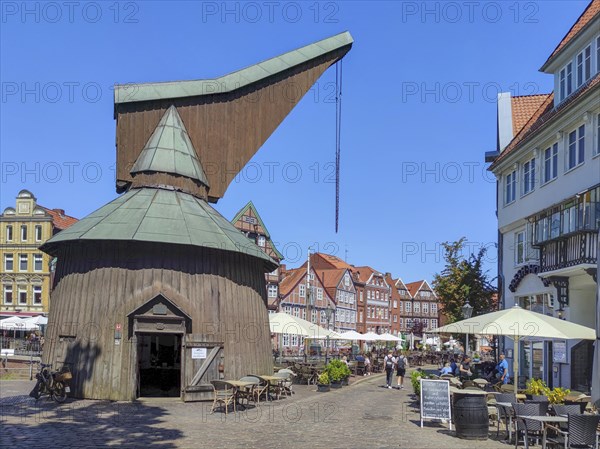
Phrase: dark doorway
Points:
(159, 365)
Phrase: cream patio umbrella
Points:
(349, 335)
(517, 324)
(389, 337)
(283, 323)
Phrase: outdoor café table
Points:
(272, 380)
(238, 385)
(547, 420)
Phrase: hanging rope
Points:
(338, 126)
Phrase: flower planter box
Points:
(336, 384)
(323, 388)
(345, 382)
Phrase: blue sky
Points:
(419, 88)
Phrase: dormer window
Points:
(584, 65)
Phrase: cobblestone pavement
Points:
(362, 415)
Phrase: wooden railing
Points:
(579, 248)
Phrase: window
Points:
(386, 314)
(22, 294)
(320, 294)
(8, 262)
(550, 162)
(302, 290)
(37, 294)
(597, 150)
(520, 248)
(562, 84)
(377, 294)
(23, 262)
(425, 322)
(361, 296)
(528, 176)
(9, 233)
(511, 187)
(368, 294)
(401, 322)
(360, 316)
(417, 307)
(425, 308)
(23, 233)
(395, 304)
(286, 340)
(38, 262)
(434, 323)
(434, 308)
(569, 70)
(271, 290)
(395, 318)
(408, 307)
(38, 233)
(576, 151)
(368, 312)
(8, 294)
(584, 65)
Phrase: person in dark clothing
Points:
(389, 362)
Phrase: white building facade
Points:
(548, 203)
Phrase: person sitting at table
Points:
(502, 369)
(367, 365)
(446, 369)
(465, 368)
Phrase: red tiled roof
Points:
(592, 10)
(545, 113)
(330, 280)
(60, 220)
(413, 287)
(523, 108)
(290, 281)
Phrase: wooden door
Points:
(201, 360)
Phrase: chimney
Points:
(60, 212)
(388, 275)
(504, 124)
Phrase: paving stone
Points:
(361, 415)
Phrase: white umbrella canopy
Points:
(370, 336)
(349, 335)
(283, 323)
(518, 324)
(39, 320)
(389, 337)
(17, 324)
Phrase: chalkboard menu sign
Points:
(435, 400)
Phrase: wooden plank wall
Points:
(97, 284)
(225, 129)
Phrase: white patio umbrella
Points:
(370, 336)
(40, 320)
(518, 324)
(389, 337)
(349, 335)
(283, 323)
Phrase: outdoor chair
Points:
(224, 393)
(504, 414)
(361, 370)
(261, 387)
(527, 427)
(284, 386)
(249, 394)
(565, 410)
(581, 432)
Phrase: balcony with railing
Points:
(567, 234)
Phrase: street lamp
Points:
(328, 312)
(467, 311)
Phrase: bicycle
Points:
(54, 384)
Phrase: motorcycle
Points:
(53, 383)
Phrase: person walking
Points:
(389, 361)
(401, 365)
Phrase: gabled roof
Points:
(330, 279)
(291, 280)
(170, 150)
(251, 207)
(415, 287)
(233, 81)
(592, 10)
(160, 216)
(60, 220)
(544, 116)
(321, 260)
(523, 108)
(366, 272)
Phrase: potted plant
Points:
(536, 387)
(336, 369)
(323, 382)
(476, 357)
(415, 382)
(557, 395)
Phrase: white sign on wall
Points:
(198, 353)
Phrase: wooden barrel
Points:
(470, 416)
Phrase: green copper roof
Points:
(127, 93)
(250, 205)
(161, 216)
(170, 150)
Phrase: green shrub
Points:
(558, 395)
(415, 381)
(323, 378)
(536, 387)
(337, 370)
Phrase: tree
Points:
(463, 279)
